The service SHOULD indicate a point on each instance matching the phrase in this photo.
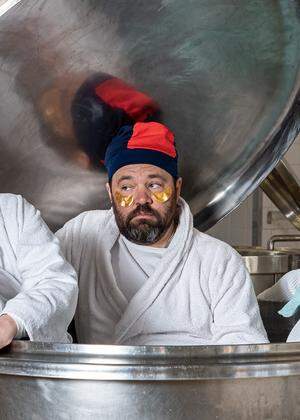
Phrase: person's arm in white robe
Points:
(236, 316)
(76, 234)
(47, 300)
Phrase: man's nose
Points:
(143, 196)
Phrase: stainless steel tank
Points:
(226, 77)
(39, 381)
(267, 266)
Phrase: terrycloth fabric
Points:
(200, 292)
(287, 289)
(37, 286)
(6, 278)
(284, 289)
(140, 262)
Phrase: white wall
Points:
(236, 228)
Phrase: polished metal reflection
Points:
(44, 381)
(6, 5)
(283, 188)
(142, 363)
(282, 238)
(224, 73)
(266, 266)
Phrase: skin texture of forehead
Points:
(143, 169)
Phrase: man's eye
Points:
(126, 188)
(155, 186)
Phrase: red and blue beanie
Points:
(144, 142)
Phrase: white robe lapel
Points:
(110, 289)
(168, 270)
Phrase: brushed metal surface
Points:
(6, 5)
(39, 381)
(142, 363)
(281, 238)
(283, 188)
(225, 74)
(267, 266)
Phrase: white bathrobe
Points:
(200, 293)
(38, 288)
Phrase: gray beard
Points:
(146, 235)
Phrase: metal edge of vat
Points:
(7, 5)
(260, 260)
(264, 261)
(149, 363)
(264, 264)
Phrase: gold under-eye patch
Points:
(163, 196)
(123, 200)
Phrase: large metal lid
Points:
(225, 74)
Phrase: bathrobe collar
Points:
(169, 269)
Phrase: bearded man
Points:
(146, 276)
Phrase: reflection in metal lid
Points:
(5, 5)
(224, 74)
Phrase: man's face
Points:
(144, 199)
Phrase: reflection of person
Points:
(146, 276)
(38, 288)
(102, 103)
(80, 111)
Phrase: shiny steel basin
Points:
(264, 261)
(266, 267)
(225, 74)
(39, 381)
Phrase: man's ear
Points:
(178, 187)
(109, 191)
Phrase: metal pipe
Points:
(282, 187)
(281, 238)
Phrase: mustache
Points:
(142, 208)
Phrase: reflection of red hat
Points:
(101, 106)
(119, 94)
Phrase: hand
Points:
(8, 330)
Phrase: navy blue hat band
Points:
(139, 156)
(148, 143)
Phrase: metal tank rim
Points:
(250, 251)
(149, 363)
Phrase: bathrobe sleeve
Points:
(236, 316)
(73, 236)
(48, 293)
